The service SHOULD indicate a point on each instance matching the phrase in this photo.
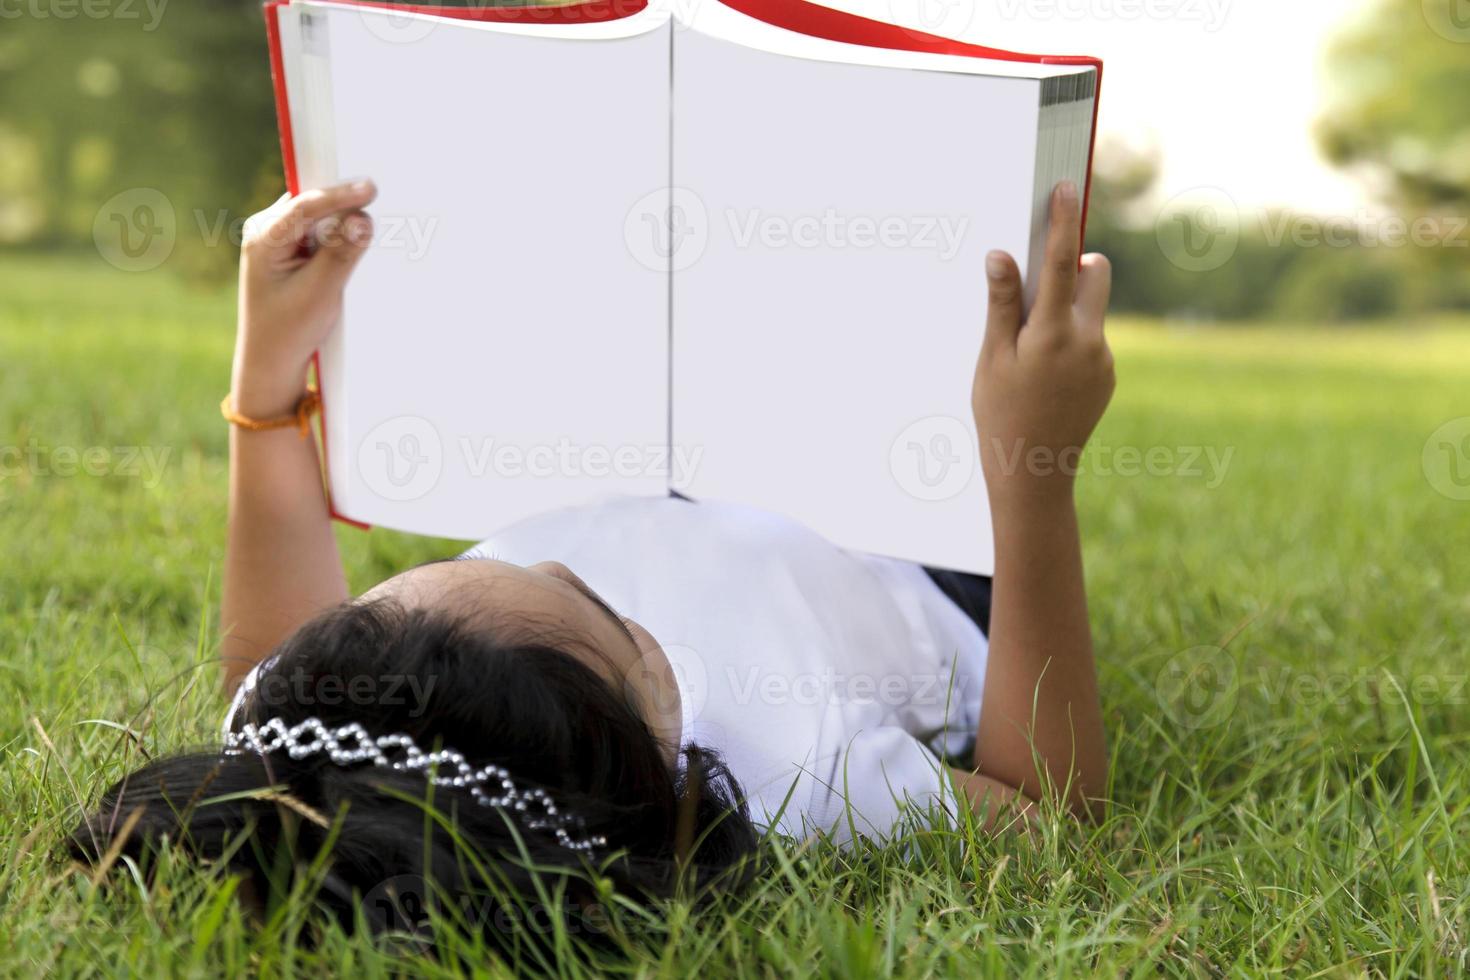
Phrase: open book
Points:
(732, 249)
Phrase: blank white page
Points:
(829, 298)
(503, 351)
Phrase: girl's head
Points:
(524, 669)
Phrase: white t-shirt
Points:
(822, 676)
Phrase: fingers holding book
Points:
(1045, 377)
(1006, 312)
(294, 264)
(295, 228)
(1063, 245)
(1073, 292)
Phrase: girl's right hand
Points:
(294, 263)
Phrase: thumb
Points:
(342, 240)
(1003, 318)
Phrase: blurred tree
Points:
(116, 96)
(1401, 107)
(1122, 176)
(171, 97)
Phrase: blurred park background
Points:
(1283, 186)
(1221, 121)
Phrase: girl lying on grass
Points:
(469, 720)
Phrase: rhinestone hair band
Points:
(351, 744)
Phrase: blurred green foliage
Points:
(106, 96)
(1397, 114)
(118, 95)
(1267, 278)
(1402, 104)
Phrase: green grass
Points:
(1301, 809)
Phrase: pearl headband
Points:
(351, 744)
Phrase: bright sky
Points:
(1227, 89)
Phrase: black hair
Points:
(533, 709)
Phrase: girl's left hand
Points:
(294, 263)
(1044, 379)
